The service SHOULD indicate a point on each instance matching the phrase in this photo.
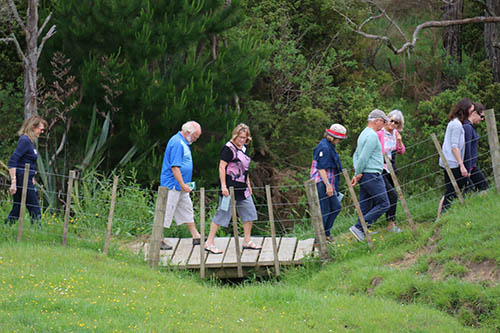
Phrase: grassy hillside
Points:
(427, 283)
(453, 265)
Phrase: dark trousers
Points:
(477, 181)
(32, 203)
(373, 199)
(390, 215)
(450, 194)
(330, 207)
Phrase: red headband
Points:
(333, 133)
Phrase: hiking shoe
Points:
(330, 239)
(358, 234)
(395, 229)
(165, 246)
(196, 241)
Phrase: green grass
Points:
(44, 286)
(465, 236)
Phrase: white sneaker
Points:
(396, 229)
(358, 234)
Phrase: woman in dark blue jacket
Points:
(477, 180)
(25, 153)
(325, 171)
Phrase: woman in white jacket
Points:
(453, 151)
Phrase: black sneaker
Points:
(196, 241)
(165, 246)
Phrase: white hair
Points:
(190, 127)
(397, 115)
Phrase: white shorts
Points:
(179, 207)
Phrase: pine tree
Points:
(174, 60)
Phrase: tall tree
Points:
(491, 38)
(453, 10)
(31, 54)
(171, 66)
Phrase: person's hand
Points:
(329, 189)
(185, 188)
(398, 137)
(356, 179)
(225, 191)
(250, 189)
(13, 188)
(463, 171)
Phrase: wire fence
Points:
(134, 207)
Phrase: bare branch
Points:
(47, 19)
(425, 25)
(18, 47)
(49, 34)
(368, 20)
(390, 19)
(13, 9)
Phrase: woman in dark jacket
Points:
(477, 180)
(325, 171)
(25, 153)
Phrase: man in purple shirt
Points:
(176, 175)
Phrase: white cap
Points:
(337, 131)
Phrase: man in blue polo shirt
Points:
(176, 175)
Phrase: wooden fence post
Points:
(448, 170)
(317, 219)
(109, 227)
(202, 232)
(491, 126)
(157, 231)
(358, 208)
(22, 209)
(69, 196)
(400, 193)
(273, 230)
(235, 232)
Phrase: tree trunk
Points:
(30, 65)
(451, 35)
(491, 42)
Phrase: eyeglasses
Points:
(382, 120)
(480, 115)
(395, 122)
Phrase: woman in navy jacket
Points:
(477, 180)
(25, 153)
(325, 171)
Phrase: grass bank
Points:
(45, 288)
(424, 283)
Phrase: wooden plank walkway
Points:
(185, 255)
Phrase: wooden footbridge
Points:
(234, 261)
(290, 251)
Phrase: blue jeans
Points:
(450, 194)
(32, 203)
(330, 207)
(372, 198)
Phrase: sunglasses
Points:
(480, 115)
(395, 122)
